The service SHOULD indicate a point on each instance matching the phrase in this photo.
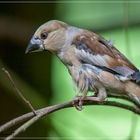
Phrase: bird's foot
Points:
(93, 98)
(79, 100)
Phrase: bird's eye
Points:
(44, 35)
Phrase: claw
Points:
(79, 100)
(78, 105)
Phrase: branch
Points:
(35, 115)
(125, 97)
(47, 110)
(18, 91)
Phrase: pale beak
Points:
(35, 45)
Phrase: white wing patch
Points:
(92, 59)
(101, 60)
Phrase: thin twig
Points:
(125, 97)
(20, 119)
(26, 125)
(47, 110)
(18, 91)
(30, 115)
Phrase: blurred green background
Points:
(45, 81)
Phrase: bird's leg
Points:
(100, 96)
(79, 97)
(91, 98)
(80, 100)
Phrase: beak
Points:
(35, 45)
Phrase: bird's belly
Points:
(87, 79)
(83, 80)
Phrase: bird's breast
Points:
(84, 77)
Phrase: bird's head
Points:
(49, 36)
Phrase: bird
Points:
(93, 62)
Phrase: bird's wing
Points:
(95, 50)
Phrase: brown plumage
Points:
(93, 62)
(100, 46)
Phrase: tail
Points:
(136, 77)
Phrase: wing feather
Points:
(95, 50)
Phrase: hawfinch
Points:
(93, 62)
